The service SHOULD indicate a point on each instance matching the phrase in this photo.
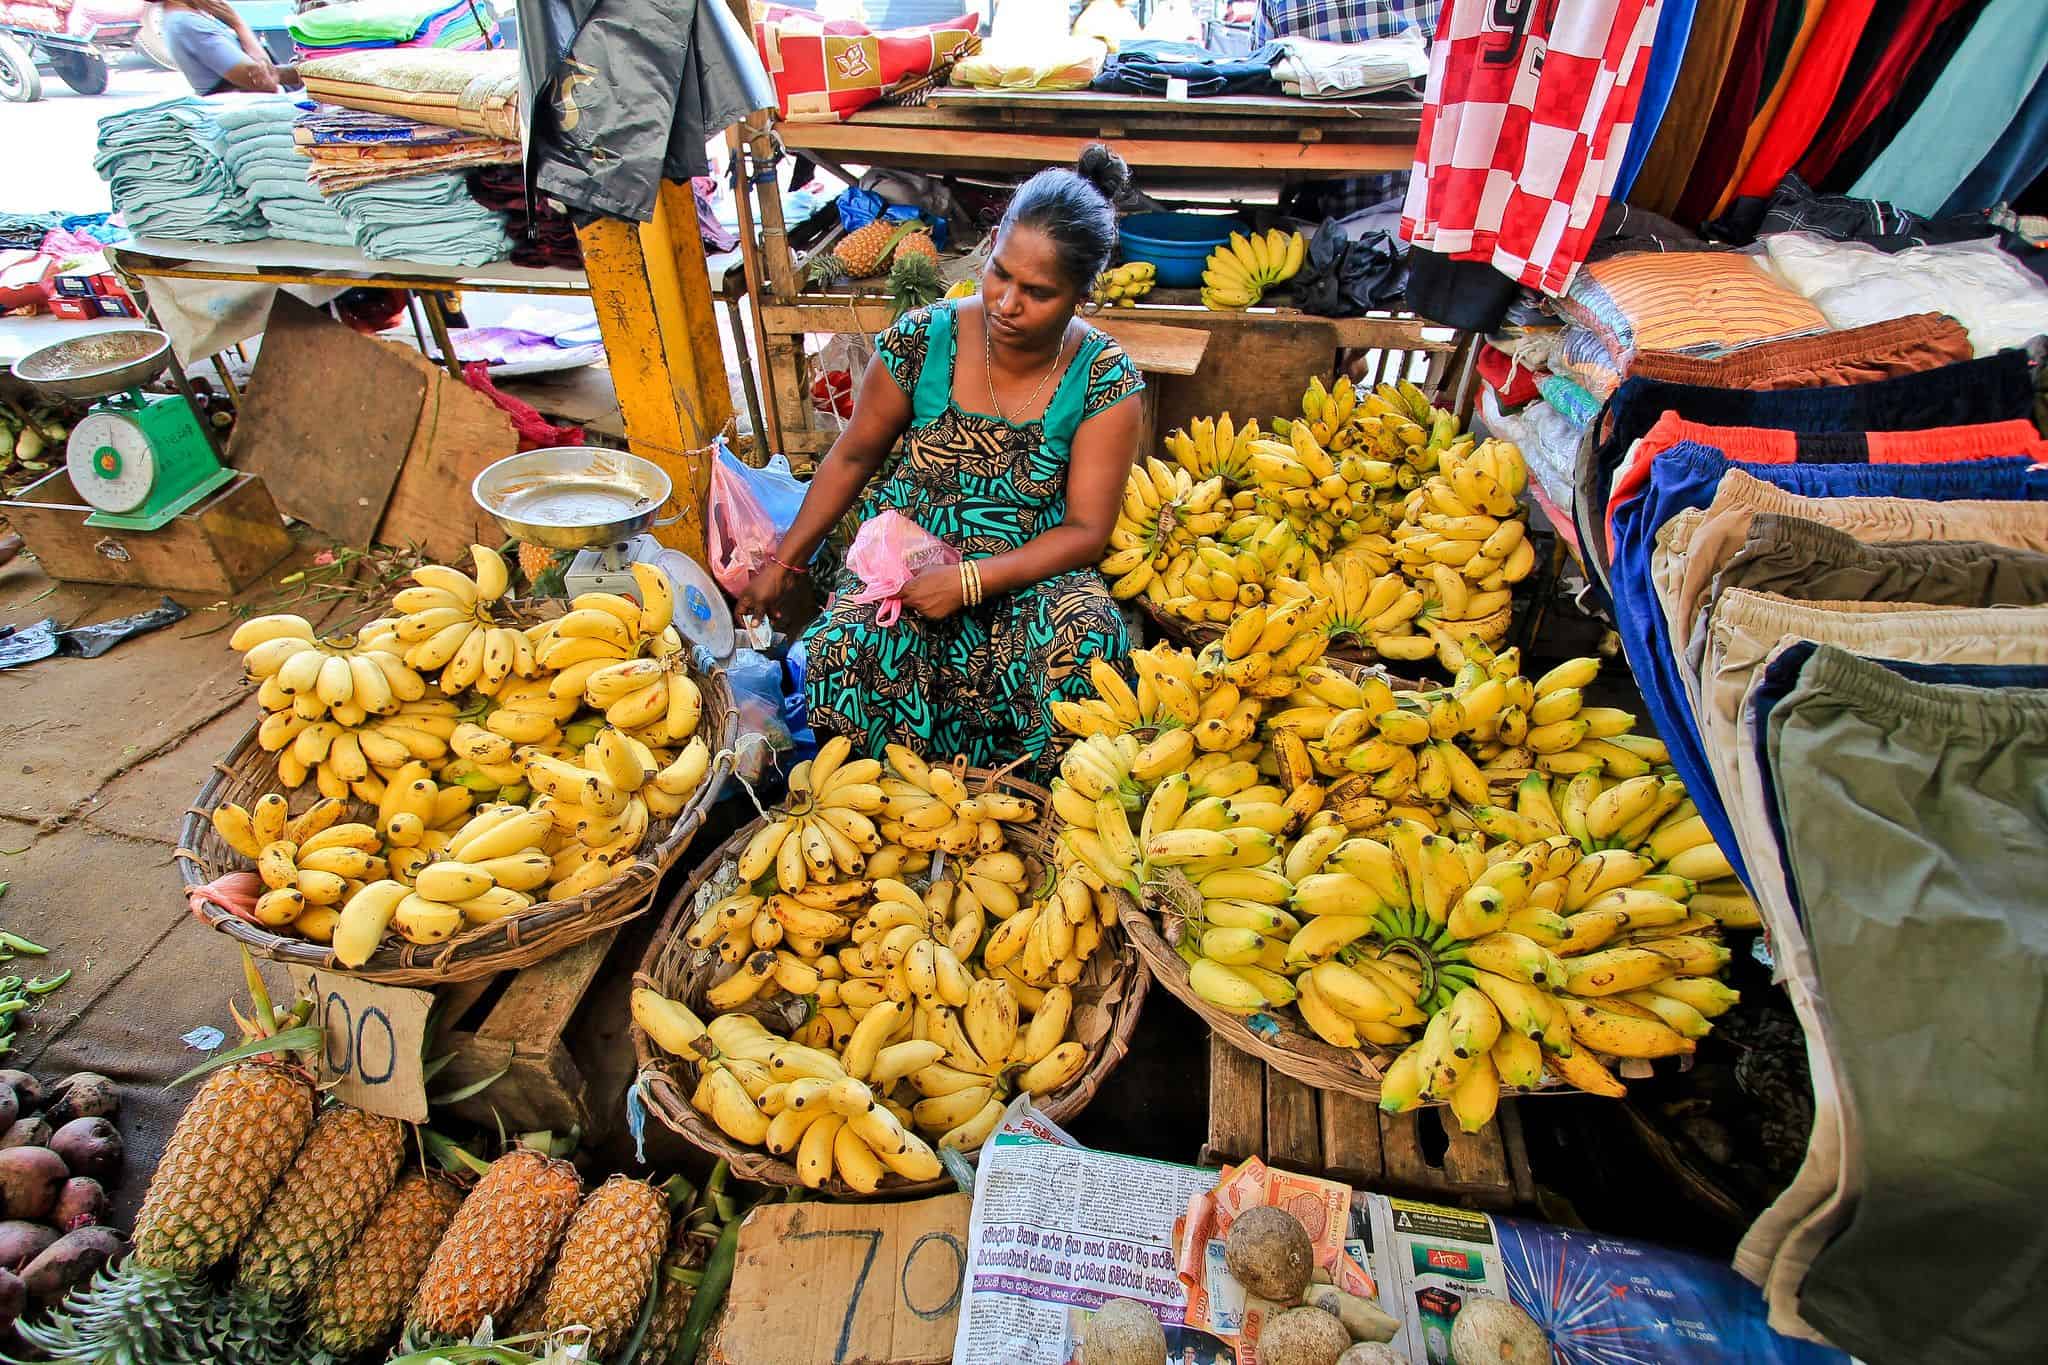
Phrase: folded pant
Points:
(1763, 445)
(1810, 562)
(1725, 523)
(1686, 476)
(1859, 355)
(1995, 389)
(1914, 815)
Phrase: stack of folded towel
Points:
(266, 163)
(167, 169)
(431, 218)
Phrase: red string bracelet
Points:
(778, 560)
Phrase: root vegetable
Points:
(1270, 1253)
(90, 1147)
(29, 1180)
(33, 1131)
(1303, 1336)
(1495, 1332)
(81, 1202)
(1372, 1353)
(22, 1241)
(10, 1107)
(1362, 1318)
(1123, 1332)
(71, 1260)
(28, 1091)
(84, 1095)
(13, 1298)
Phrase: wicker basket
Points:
(1106, 1004)
(535, 933)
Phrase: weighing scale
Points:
(601, 503)
(139, 459)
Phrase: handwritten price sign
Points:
(373, 1039)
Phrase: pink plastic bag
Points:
(888, 552)
(739, 535)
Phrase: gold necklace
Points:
(988, 342)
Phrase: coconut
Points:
(1123, 1332)
(1303, 1336)
(1270, 1253)
(1495, 1332)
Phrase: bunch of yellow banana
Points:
(1123, 285)
(1239, 272)
(1377, 610)
(764, 1090)
(416, 817)
(446, 625)
(825, 828)
(314, 678)
(1395, 422)
(929, 808)
(285, 848)
(1171, 694)
(1164, 512)
(343, 760)
(1463, 541)
(1211, 447)
(1263, 650)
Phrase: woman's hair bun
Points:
(1105, 170)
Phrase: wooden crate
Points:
(526, 1029)
(1256, 1111)
(220, 547)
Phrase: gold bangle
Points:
(966, 592)
(970, 581)
(975, 570)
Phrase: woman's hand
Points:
(935, 593)
(766, 595)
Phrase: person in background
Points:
(1017, 440)
(215, 50)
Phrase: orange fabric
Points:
(1808, 22)
(1653, 301)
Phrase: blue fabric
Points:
(1687, 475)
(1344, 21)
(204, 48)
(1667, 52)
(1144, 68)
(2013, 163)
(1781, 675)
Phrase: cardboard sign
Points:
(880, 1284)
(375, 1035)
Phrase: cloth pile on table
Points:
(1828, 558)
(257, 139)
(368, 25)
(432, 219)
(25, 231)
(477, 92)
(348, 148)
(542, 237)
(166, 167)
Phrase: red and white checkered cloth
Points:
(1525, 122)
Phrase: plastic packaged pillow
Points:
(1067, 64)
(1996, 299)
(1582, 357)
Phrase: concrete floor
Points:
(98, 760)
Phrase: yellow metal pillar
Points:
(654, 307)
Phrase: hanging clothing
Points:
(1777, 80)
(1967, 110)
(1812, 89)
(1523, 131)
(1894, 113)
(1875, 73)
(1721, 144)
(981, 681)
(1668, 162)
(2017, 160)
(1667, 55)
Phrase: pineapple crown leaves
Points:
(914, 282)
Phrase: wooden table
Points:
(1256, 1111)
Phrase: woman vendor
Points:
(1017, 440)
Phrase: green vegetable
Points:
(710, 1293)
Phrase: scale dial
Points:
(110, 461)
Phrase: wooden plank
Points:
(536, 1007)
(1247, 370)
(1154, 347)
(220, 546)
(459, 433)
(1405, 1167)
(536, 1089)
(822, 313)
(327, 420)
(1475, 1161)
(1351, 1139)
(1294, 1128)
(1237, 1105)
(916, 147)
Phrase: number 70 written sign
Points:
(372, 1037)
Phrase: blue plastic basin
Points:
(1177, 244)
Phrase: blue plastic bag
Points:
(773, 486)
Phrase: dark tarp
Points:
(626, 92)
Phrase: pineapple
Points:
(497, 1245)
(344, 1169)
(918, 244)
(673, 1307)
(230, 1147)
(607, 1262)
(863, 252)
(356, 1305)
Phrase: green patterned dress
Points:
(979, 682)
